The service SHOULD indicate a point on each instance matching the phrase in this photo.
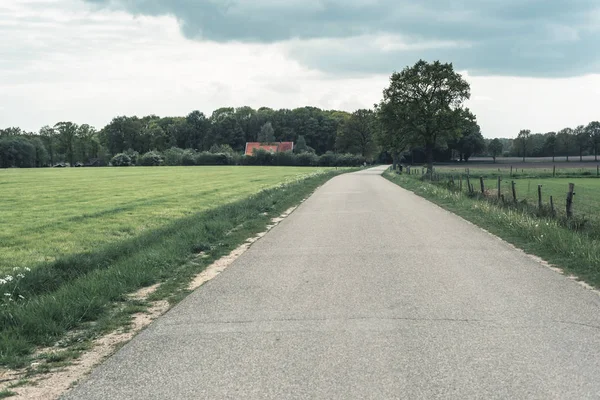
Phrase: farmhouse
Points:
(270, 147)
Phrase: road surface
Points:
(368, 292)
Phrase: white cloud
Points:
(64, 60)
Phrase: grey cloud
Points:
(506, 37)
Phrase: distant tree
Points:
(583, 138)
(550, 143)
(495, 148)
(16, 151)
(48, 136)
(67, 135)
(524, 137)
(593, 130)
(565, 137)
(423, 103)
(301, 146)
(121, 160)
(356, 133)
(266, 134)
(471, 140)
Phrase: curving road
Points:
(368, 292)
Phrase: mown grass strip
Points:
(576, 253)
(82, 288)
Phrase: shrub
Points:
(284, 158)
(307, 159)
(221, 149)
(134, 156)
(188, 157)
(263, 157)
(121, 160)
(328, 159)
(206, 158)
(173, 156)
(151, 159)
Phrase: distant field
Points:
(49, 213)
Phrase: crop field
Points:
(49, 213)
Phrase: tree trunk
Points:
(394, 160)
(429, 157)
(595, 153)
(494, 157)
(580, 154)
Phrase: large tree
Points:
(593, 130)
(424, 104)
(266, 134)
(67, 135)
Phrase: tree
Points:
(471, 140)
(550, 144)
(301, 146)
(593, 130)
(48, 136)
(582, 137)
(266, 134)
(495, 148)
(355, 133)
(423, 103)
(67, 134)
(524, 136)
(565, 137)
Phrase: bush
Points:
(173, 156)
(221, 149)
(206, 158)
(307, 159)
(284, 158)
(263, 157)
(134, 156)
(188, 157)
(151, 159)
(121, 160)
(17, 151)
(328, 159)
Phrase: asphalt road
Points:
(368, 292)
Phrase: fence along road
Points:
(368, 292)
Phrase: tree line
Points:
(421, 119)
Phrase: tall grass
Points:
(80, 288)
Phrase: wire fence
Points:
(576, 196)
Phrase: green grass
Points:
(81, 288)
(530, 171)
(575, 252)
(47, 214)
(6, 393)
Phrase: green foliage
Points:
(207, 158)
(301, 146)
(151, 159)
(222, 149)
(356, 133)
(121, 160)
(266, 134)
(423, 106)
(173, 156)
(495, 148)
(188, 157)
(307, 159)
(17, 151)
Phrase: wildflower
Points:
(7, 294)
(21, 276)
(2, 281)
(27, 269)
(21, 297)
(8, 278)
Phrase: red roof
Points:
(271, 147)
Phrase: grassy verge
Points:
(575, 252)
(88, 291)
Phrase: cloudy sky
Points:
(532, 64)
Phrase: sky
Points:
(532, 64)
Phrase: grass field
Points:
(82, 239)
(49, 213)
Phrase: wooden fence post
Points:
(514, 191)
(540, 197)
(460, 183)
(552, 205)
(597, 170)
(554, 171)
(511, 171)
(499, 187)
(468, 183)
(482, 185)
(570, 195)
